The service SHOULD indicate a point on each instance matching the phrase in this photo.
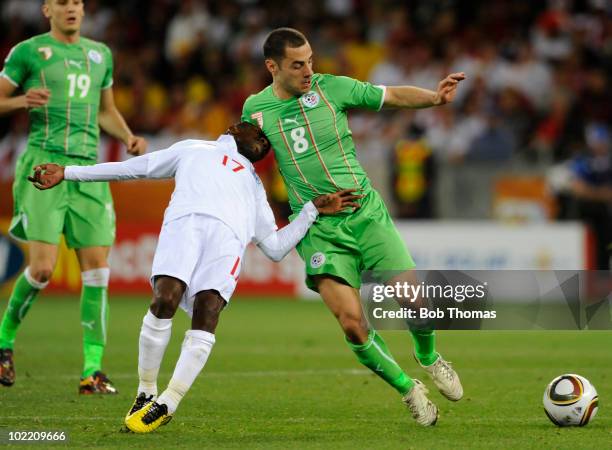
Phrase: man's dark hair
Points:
(246, 135)
(279, 39)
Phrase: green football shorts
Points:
(346, 245)
(83, 212)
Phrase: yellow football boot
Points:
(139, 403)
(152, 416)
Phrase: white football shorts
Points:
(201, 251)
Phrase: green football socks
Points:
(425, 346)
(94, 318)
(375, 355)
(24, 293)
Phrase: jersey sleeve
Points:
(248, 114)
(156, 165)
(265, 224)
(107, 81)
(350, 93)
(278, 243)
(16, 65)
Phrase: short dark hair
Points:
(279, 39)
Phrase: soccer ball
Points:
(570, 400)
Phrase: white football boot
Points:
(445, 378)
(422, 409)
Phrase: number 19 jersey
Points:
(75, 74)
(312, 142)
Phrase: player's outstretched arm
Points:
(415, 97)
(277, 244)
(156, 165)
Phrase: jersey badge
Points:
(310, 99)
(258, 116)
(257, 179)
(45, 52)
(317, 260)
(95, 56)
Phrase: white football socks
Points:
(194, 353)
(154, 337)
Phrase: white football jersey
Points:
(224, 186)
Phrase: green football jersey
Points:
(75, 74)
(312, 142)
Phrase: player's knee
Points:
(41, 272)
(164, 304)
(166, 297)
(207, 308)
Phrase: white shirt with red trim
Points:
(211, 178)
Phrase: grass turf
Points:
(280, 376)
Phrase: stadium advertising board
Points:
(443, 246)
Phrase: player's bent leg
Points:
(155, 334)
(195, 351)
(423, 336)
(43, 257)
(95, 276)
(196, 347)
(440, 371)
(368, 346)
(344, 303)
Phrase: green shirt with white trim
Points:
(75, 74)
(310, 135)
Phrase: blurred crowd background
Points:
(527, 139)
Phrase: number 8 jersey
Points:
(312, 142)
(75, 74)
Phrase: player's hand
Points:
(447, 88)
(136, 145)
(336, 202)
(37, 97)
(47, 175)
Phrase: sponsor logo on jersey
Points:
(311, 99)
(95, 56)
(317, 260)
(293, 121)
(45, 52)
(78, 64)
(258, 116)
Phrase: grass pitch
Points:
(280, 376)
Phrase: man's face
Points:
(65, 16)
(294, 74)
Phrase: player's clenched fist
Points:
(47, 175)
(136, 145)
(336, 202)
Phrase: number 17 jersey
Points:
(75, 74)
(312, 142)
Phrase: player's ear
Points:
(45, 9)
(272, 66)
